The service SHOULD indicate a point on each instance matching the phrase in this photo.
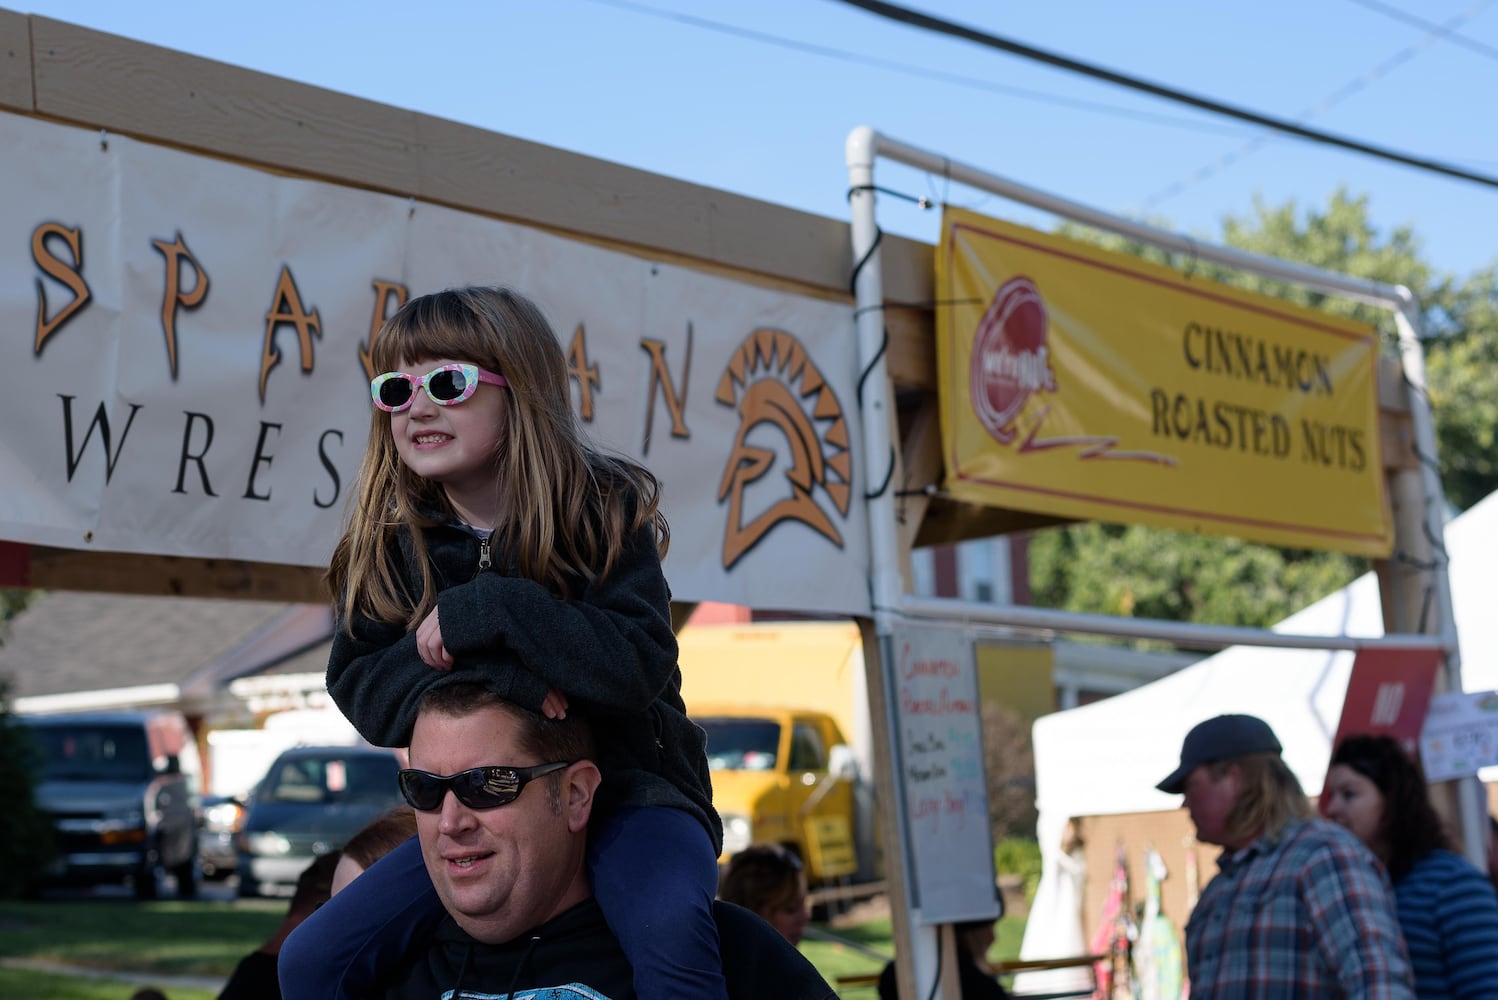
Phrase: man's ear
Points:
(581, 784)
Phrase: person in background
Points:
(255, 977)
(1299, 908)
(378, 838)
(769, 880)
(1447, 908)
(975, 977)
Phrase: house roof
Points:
(69, 642)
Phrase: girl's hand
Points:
(555, 705)
(429, 644)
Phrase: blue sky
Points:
(726, 106)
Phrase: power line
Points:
(1336, 97)
(1444, 30)
(916, 19)
(843, 55)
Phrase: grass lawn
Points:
(165, 938)
(26, 983)
(169, 938)
(206, 939)
(834, 959)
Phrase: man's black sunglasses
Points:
(476, 788)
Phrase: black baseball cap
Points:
(1219, 739)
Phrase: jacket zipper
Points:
(484, 562)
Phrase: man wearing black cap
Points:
(1299, 908)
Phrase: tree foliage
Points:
(1009, 767)
(1147, 572)
(1141, 572)
(25, 833)
(26, 843)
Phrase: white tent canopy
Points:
(1106, 758)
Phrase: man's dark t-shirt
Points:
(574, 956)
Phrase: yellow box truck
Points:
(784, 707)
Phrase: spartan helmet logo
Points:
(780, 394)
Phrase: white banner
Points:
(182, 350)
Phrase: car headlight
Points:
(266, 844)
(225, 816)
(738, 833)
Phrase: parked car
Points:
(121, 789)
(310, 801)
(222, 817)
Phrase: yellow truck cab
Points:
(784, 776)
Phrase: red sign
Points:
(1388, 694)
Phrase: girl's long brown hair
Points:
(570, 508)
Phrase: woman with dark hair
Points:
(1447, 908)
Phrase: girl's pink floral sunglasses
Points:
(445, 386)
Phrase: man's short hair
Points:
(548, 739)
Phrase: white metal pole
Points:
(1361, 289)
(886, 586)
(1179, 633)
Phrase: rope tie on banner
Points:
(1405, 559)
(946, 189)
(918, 200)
(863, 378)
(1427, 601)
(861, 263)
(1193, 260)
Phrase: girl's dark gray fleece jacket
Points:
(610, 650)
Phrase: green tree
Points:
(1009, 766)
(1147, 572)
(25, 833)
(13, 600)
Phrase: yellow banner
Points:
(1097, 386)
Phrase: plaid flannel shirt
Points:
(1307, 914)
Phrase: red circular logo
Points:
(1010, 360)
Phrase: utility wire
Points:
(1404, 55)
(917, 19)
(1075, 104)
(1444, 30)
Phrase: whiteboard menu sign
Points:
(945, 799)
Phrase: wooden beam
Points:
(172, 576)
(920, 448)
(104, 81)
(15, 62)
(912, 347)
